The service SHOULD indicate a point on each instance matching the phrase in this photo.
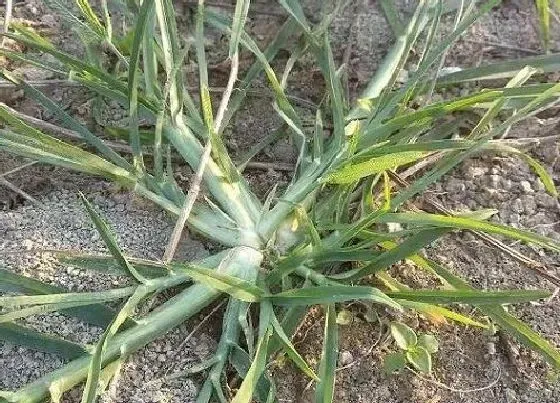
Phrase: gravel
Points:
(485, 367)
(142, 231)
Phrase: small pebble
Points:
(525, 186)
(346, 358)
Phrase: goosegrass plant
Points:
(323, 240)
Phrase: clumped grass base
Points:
(323, 240)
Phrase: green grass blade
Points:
(376, 133)
(68, 297)
(519, 330)
(219, 150)
(16, 283)
(334, 85)
(234, 286)
(471, 224)
(469, 296)
(524, 334)
(343, 255)
(437, 312)
(32, 60)
(30, 34)
(518, 80)
(71, 63)
(171, 55)
(110, 241)
(293, 7)
(451, 160)
(34, 340)
(422, 146)
(71, 123)
(539, 169)
(331, 294)
(42, 309)
(435, 54)
(83, 25)
(148, 108)
(107, 18)
(201, 55)
(91, 17)
(261, 145)
(318, 137)
(133, 77)
(98, 315)
(291, 351)
(324, 391)
(351, 173)
(407, 248)
(544, 20)
(239, 18)
(506, 69)
(66, 156)
(245, 392)
(289, 28)
(434, 11)
(91, 388)
(392, 16)
(109, 265)
(393, 62)
(290, 321)
(149, 59)
(289, 114)
(241, 361)
(158, 155)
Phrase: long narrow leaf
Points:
(506, 69)
(98, 315)
(544, 20)
(245, 392)
(91, 18)
(354, 172)
(69, 297)
(140, 30)
(110, 241)
(90, 392)
(407, 248)
(291, 351)
(472, 224)
(41, 309)
(34, 340)
(71, 123)
(523, 333)
(239, 17)
(469, 297)
(539, 169)
(324, 392)
(330, 295)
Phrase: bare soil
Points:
(471, 366)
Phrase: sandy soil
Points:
(471, 366)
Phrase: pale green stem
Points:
(175, 311)
(230, 335)
(234, 198)
(384, 72)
